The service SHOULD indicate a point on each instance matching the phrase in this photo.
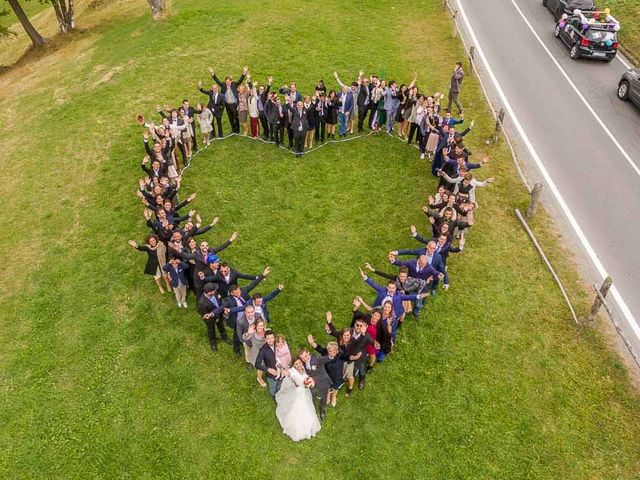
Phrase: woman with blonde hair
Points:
(243, 108)
(205, 117)
(254, 338)
(310, 111)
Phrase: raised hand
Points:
(462, 241)
(191, 197)
(145, 160)
(425, 209)
(329, 316)
(191, 213)
(432, 220)
(335, 74)
(215, 221)
(490, 180)
(145, 135)
(245, 70)
(200, 84)
(270, 79)
(413, 229)
(362, 274)
(147, 214)
(311, 340)
(233, 237)
(356, 303)
(369, 267)
(391, 257)
(280, 287)
(201, 275)
(133, 243)
(266, 271)
(211, 71)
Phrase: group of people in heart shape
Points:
(303, 383)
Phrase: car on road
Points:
(558, 7)
(589, 35)
(629, 86)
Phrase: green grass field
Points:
(103, 377)
(628, 13)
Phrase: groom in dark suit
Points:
(266, 361)
(314, 365)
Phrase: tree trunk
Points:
(64, 14)
(157, 8)
(35, 37)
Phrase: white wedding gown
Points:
(295, 409)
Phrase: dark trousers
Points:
(362, 116)
(372, 113)
(290, 136)
(453, 98)
(216, 120)
(413, 130)
(274, 133)
(320, 131)
(194, 140)
(361, 366)
(299, 142)
(422, 141)
(320, 398)
(237, 344)
(265, 125)
(232, 113)
(211, 324)
(183, 152)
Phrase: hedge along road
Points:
(580, 140)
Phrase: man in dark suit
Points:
(216, 105)
(299, 126)
(226, 277)
(238, 297)
(210, 308)
(363, 99)
(314, 365)
(266, 362)
(229, 90)
(275, 116)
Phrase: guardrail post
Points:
(597, 303)
(472, 57)
(454, 27)
(496, 132)
(535, 199)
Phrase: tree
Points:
(157, 8)
(36, 39)
(64, 14)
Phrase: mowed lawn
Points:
(627, 12)
(103, 377)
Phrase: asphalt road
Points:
(598, 184)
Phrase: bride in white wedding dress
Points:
(295, 409)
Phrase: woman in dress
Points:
(254, 338)
(283, 354)
(332, 115)
(205, 117)
(156, 259)
(243, 108)
(254, 113)
(387, 331)
(295, 410)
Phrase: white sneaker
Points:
(422, 156)
(179, 305)
(185, 305)
(445, 287)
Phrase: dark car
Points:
(558, 7)
(629, 86)
(599, 40)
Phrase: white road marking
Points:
(575, 89)
(545, 174)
